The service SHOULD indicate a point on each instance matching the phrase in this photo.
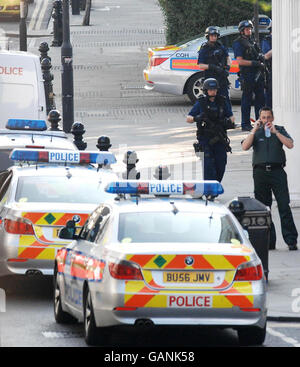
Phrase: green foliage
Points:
(187, 18)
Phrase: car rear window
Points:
(72, 189)
(180, 227)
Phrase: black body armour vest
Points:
(213, 112)
(215, 55)
(251, 51)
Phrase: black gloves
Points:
(257, 64)
(215, 68)
(200, 118)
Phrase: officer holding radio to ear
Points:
(269, 175)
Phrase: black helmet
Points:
(210, 83)
(245, 24)
(237, 208)
(161, 172)
(212, 30)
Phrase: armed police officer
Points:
(213, 118)
(266, 47)
(269, 175)
(214, 59)
(251, 74)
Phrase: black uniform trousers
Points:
(266, 182)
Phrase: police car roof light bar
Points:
(22, 124)
(62, 156)
(164, 188)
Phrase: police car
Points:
(174, 69)
(155, 256)
(22, 133)
(38, 196)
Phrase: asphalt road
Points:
(28, 321)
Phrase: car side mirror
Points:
(237, 209)
(68, 232)
(246, 233)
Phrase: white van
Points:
(22, 93)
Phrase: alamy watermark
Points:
(296, 301)
(2, 300)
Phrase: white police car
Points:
(153, 256)
(38, 196)
(174, 69)
(22, 133)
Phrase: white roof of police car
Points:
(10, 139)
(224, 31)
(150, 204)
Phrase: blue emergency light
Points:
(62, 156)
(264, 21)
(165, 187)
(22, 124)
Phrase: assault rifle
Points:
(214, 131)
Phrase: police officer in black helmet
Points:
(249, 57)
(266, 46)
(214, 59)
(213, 118)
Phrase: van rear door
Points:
(21, 92)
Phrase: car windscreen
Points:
(62, 189)
(199, 39)
(180, 227)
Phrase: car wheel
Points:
(61, 317)
(91, 332)
(194, 87)
(252, 335)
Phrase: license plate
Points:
(195, 277)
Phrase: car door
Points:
(82, 256)
(5, 180)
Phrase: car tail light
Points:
(155, 61)
(250, 309)
(125, 270)
(249, 271)
(18, 226)
(34, 146)
(17, 260)
(125, 308)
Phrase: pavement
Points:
(108, 54)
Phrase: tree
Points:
(185, 19)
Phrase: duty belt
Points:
(269, 167)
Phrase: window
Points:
(5, 179)
(95, 224)
(228, 41)
(182, 227)
(60, 189)
(5, 161)
(230, 38)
